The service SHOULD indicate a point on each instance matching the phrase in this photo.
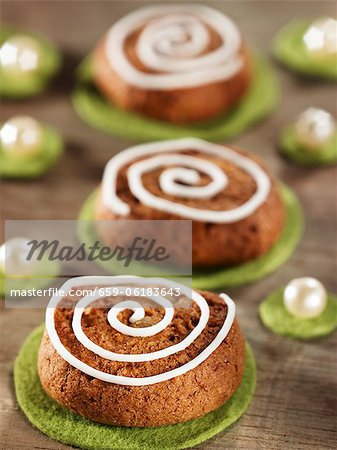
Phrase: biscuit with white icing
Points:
(233, 201)
(158, 391)
(178, 63)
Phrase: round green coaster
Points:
(228, 276)
(17, 86)
(46, 271)
(288, 47)
(51, 150)
(274, 316)
(260, 100)
(290, 148)
(72, 429)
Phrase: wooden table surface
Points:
(296, 396)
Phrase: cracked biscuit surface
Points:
(179, 399)
(213, 244)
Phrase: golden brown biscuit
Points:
(179, 399)
(195, 102)
(213, 244)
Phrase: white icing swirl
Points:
(168, 153)
(173, 42)
(117, 282)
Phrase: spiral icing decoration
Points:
(122, 283)
(173, 47)
(182, 181)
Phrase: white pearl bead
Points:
(19, 55)
(13, 254)
(320, 39)
(21, 137)
(314, 128)
(305, 298)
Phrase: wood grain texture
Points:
(296, 395)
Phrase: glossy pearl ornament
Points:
(21, 137)
(320, 39)
(20, 55)
(305, 298)
(314, 128)
(13, 254)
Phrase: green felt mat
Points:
(69, 428)
(261, 99)
(221, 277)
(46, 271)
(51, 150)
(275, 317)
(17, 87)
(288, 48)
(294, 152)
